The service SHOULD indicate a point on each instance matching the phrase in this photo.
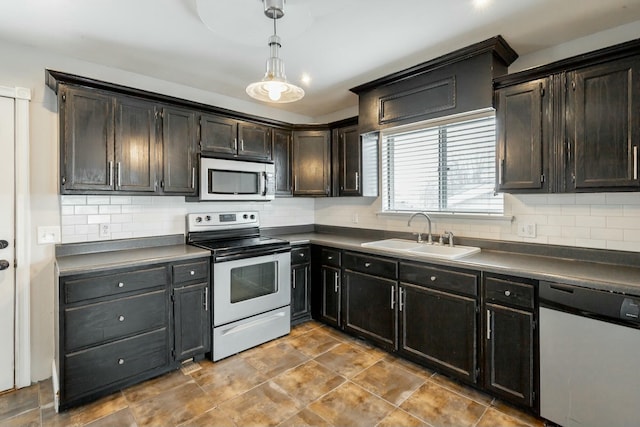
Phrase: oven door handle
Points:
(250, 254)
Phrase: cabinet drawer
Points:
(371, 265)
(95, 323)
(509, 292)
(114, 284)
(100, 366)
(191, 271)
(465, 283)
(331, 257)
(300, 255)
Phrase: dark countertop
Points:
(607, 277)
(105, 261)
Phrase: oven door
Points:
(249, 286)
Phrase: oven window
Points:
(233, 182)
(253, 281)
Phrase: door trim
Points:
(22, 96)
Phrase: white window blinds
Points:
(446, 166)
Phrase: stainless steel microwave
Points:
(222, 179)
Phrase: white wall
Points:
(610, 217)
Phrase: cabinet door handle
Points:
(507, 293)
(120, 361)
(242, 145)
(193, 178)
(335, 283)
(206, 298)
(235, 144)
(357, 182)
(110, 173)
(192, 273)
(367, 264)
(293, 280)
(401, 299)
(501, 172)
(119, 183)
(121, 318)
(635, 162)
(433, 278)
(330, 257)
(121, 285)
(488, 324)
(393, 298)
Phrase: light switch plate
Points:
(48, 235)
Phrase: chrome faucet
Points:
(429, 238)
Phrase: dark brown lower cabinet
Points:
(439, 328)
(192, 321)
(369, 308)
(330, 288)
(510, 338)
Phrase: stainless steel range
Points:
(251, 280)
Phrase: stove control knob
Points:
(245, 216)
(253, 216)
(207, 218)
(198, 219)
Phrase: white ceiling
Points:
(221, 45)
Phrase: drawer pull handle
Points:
(193, 273)
(433, 278)
(367, 264)
(330, 257)
(507, 293)
(121, 285)
(121, 318)
(301, 255)
(120, 361)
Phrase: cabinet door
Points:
(282, 157)
(135, 145)
(330, 305)
(179, 151)
(311, 176)
(522, 114)
(87, 138)
(349, 165)
(300, 288)
(439, 328)
(604, 128)
(509, 353)
(218, 134)
(255, 141)
(192, 321)
(369, 308)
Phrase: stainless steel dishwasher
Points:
(589, 356)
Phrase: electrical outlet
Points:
(526, 229)
(105, 230)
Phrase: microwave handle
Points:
(265, 179)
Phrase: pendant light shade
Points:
(274, 86)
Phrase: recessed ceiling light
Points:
(481, 4)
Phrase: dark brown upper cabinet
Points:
(347, 161)
(584, 118)
(108, 143)
(226, 137)
(523, 125)
(603, 126)
(179, 151)
(283, 158)
(311, 163)
(458, 82)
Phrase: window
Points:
(443, 166)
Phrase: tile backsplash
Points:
(142, 216)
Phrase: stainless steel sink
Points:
(422, 249)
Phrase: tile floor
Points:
(316, 376)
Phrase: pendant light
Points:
(274, 86)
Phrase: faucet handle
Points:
(418, 237)
(449, 235)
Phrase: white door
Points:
(7, 238)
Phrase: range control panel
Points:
(222, 220)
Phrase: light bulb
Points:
(274, 94)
